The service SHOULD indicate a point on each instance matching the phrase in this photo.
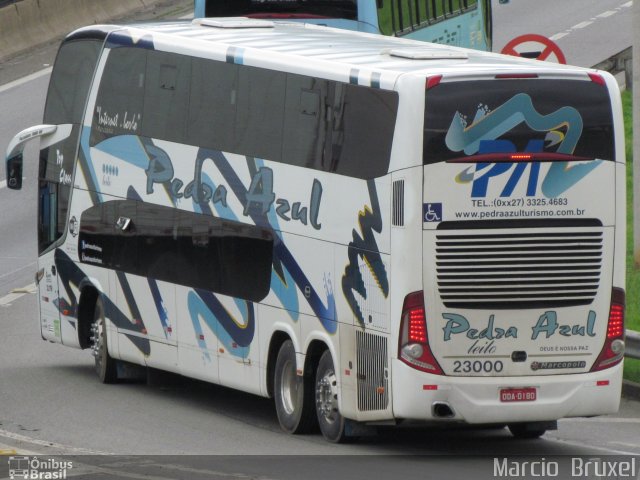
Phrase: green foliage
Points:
(633, 272)
(631, 367)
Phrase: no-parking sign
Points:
(532, 45)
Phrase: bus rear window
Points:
(569, 117)
(346, 9)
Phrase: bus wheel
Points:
(106, 367)
(293, 395)
(331, 422)
(526, 430)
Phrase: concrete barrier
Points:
(29, 23)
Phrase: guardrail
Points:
(632, 345)
(618, 63)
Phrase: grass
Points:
(631, 367)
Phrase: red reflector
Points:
(66, 312)
(169, 329)
(602, 383)
(516, 75)
(429, 387)
(201, 337)
(597, 78)
(347, 372)
(433, 81)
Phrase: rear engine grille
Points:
(373, 393)
(518, 270)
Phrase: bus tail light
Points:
(613, 350)
(433, 81)
(597, 78)
(413, 348)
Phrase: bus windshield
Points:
(346, 9)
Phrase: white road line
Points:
(45, 443)
(582, 25)
(16, 294)
(603, 420)
(608, 451)
(558, 36)
(627, 5)
(606, 14)
(625, 444)
(23, 80)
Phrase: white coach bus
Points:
(371, 230)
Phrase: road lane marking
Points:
(603, 420)
(16, 293)
(23, 80)
(608, 451)
(45, 443)
(582, 25)
(625, 444)
(587, 23)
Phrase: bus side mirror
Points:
(14, 153)
(14, 172)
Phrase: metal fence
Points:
(632, 344)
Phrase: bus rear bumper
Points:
(476, 400)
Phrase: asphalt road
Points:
(51, 401)
(587, 32)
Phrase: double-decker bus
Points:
(365, 228)
(463, 23)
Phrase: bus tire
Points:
(292, 393)
(332, 423)
(106, 367)
(526, 430)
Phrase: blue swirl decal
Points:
(488, 126)
(235, 336)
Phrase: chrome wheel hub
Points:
(327, 397)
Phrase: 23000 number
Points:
(477, 366)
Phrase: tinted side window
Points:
(175, 246)
(166, 96)
(70, 81)
(212, 108)
(260, 113)
(120, 103)
(404, 16)
(294, 119)
(363, 126)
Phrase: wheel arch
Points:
(89, 292)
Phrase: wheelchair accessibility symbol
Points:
(432, 212)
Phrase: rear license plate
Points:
(527, 394)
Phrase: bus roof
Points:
(312, 47)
